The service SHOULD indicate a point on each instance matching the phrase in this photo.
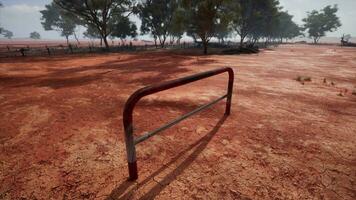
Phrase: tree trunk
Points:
(241, 41)
(106, 42)
(254, 41)
(67, 39)
(76, 38)
(162, 41)
(178, 40)
(205, 45)
(155, 38)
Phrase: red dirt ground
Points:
(61, 131)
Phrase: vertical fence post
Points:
(229, 92)
(48, 51)
(131, 152)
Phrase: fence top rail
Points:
(154, 88)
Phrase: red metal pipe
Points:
(136, 96)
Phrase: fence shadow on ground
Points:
(127, 188)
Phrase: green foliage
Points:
(123, 28)
(100, 14)
(157, 18)
(92, 32)
(35, 35)
(317, 23)
(284, 27)
(254, 18)
(55, 18)
(177, 28)
(223, 28)
(202, 19)
(7, 34)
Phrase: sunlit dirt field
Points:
(61, 132)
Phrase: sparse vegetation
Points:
(7, 34)
(317, 23)
(35, 35)
(55, 18)
(157, 18)
(252, 20)
(102, 15)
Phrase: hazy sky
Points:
(22, 16)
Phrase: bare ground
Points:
(61, 134)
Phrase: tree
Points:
(223, 28)
(292, 31)
(202, 17)
(35, 35)
(284, 27)
(55, 18)
(123, 28)
(8, 34)
(177, 28)
(93, 33)
(157, 17)
(317, 23)
(98, 13)
(252, 17)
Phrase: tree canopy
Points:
(202, 19)
(317, 23)
(123, 28)
(7, 34)
(251, 20)
(157, 17)
(92, 32)
(35, 35)
(98, 13)
(55, 18)
(285, 28)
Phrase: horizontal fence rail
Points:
(135, 97)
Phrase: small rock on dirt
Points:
(303, 79)
(200, 129)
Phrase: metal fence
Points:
(135, 97)
(50, 50)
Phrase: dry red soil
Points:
(61, 132)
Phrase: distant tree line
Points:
(168, 20)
